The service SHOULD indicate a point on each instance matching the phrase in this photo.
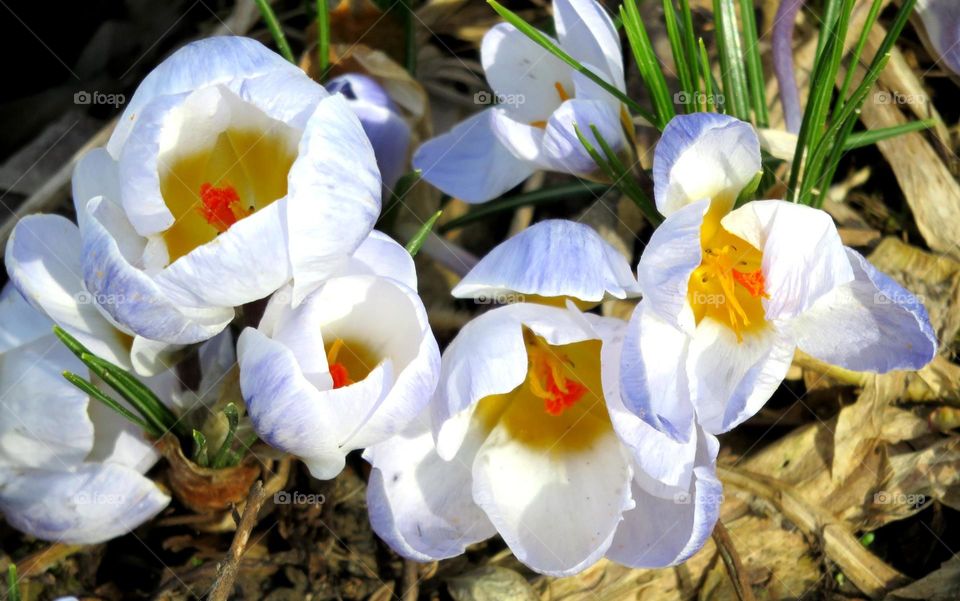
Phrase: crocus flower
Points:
(388, 132)
(349, 367)
(941, 19)
(230, 173)
(527, 436)
(730, 293)
(71, 470)
(539, 100)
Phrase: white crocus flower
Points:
(540, 99)
(230, 173)
(71, 470)
(349, 367)
(527, 436)
(730, 293)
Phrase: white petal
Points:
(333, 196)
(557, 511)
(390, 136)
(287, 411)
(381, 255)
(562, 148)
(134, 300)
(803, 257)
(551, 258)
(730, 380)
(652, 379)
(703, 156)
(469, 162)
(151, 357)
(670, 257)
(870, 324)
(523, 74)
(93, 504)
(523, 140)
(489, 357)
(117, 440)
(216, 60)
(665, 530)
(587, 34)
(43, 260)
(941, 19)
(421, 505)
(43, 418)
(22, 323)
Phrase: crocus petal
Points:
(390, 136)
(469, 162)
(381, 255)
(333, 195)
(562, 148)
(216, 60)
(420, 504)
(151, 357)
(552, 258)
(668, 260)
(118, 440)
(557, 511)
(357, 86)
(92, 504)
(870, 324)
(523, 140)
(803, 257)
(43, 260)
(651, 385)
(731, 379)
(523, 75)
(586, 33)
(284, 406)
(703, 156)
(667, 530)
(132, 298)
(941, 19)
(43, 418)
(464, 379)
(22, 323)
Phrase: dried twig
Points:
(227, 573)
(731, 559)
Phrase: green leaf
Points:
(92, 391)
(547, 44)
(270, 18)
(323, 39)
(537, 197)
(413, 246)
(224, 456)
(200, 449)
(735, 90)
(647, 63)
(680, 59)
(866, 138)
(13, 585)
(758, 92)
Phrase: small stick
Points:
(411, 580)
(731, 559)
(227, 573)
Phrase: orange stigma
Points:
(752, 281)
(547, 376)
(338, 371)
(220, 206)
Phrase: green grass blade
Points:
(867, 138)
(323, 39)
(544, 42)
(13, 586)
(677, 47)
(735, 89)
(647, 63)
(691, 50)
(858, 52)
(537, 197)
(273, 25)
(758, 92)
(97, 394)
(710, 98)
(413, 246)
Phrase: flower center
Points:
(564, 96)
(349, 362)
(728, 285)
(209, 190)
(559, 406)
